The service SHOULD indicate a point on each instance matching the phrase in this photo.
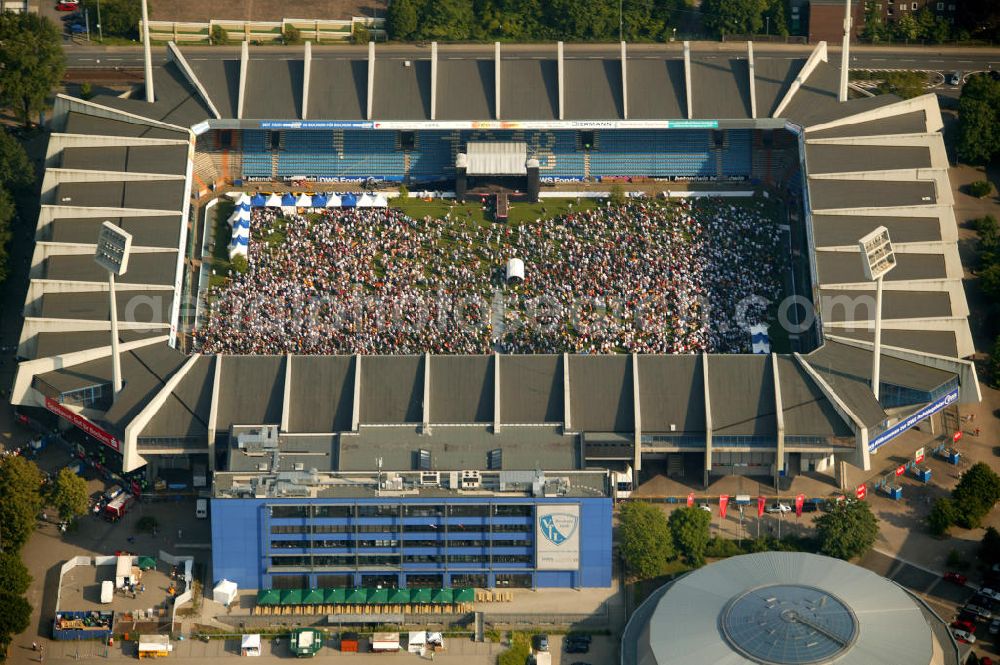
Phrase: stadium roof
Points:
(868, 162)
(784, 608)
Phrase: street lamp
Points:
(113, 247)
(877, 259)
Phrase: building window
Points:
(951, 8)
(940, 6)
(378, 510)
(86, 397)
(467, 510)
(512, 510)
(289, 511)
(334, 511)
(913, 6)
(510, 528)
(423, 511)
(902, 6)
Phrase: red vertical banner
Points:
(761, 501)
(861, 492)
(956, 436)
(799, 502)
(900, 469)
(691, 500)
(723, 504)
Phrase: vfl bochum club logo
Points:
(559, 527)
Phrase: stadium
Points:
(784, 608)
(446, 445)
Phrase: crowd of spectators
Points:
(646, 276)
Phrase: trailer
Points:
(118, 506)
(154, 646)
(305, 642)
(385, 642)
(107, 591)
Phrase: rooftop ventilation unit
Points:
(430, 479)
(471, 480)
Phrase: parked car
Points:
(541, 642)
(778, 507)
(112, 492)
(989, 593)
(956, 578)
(577, 643)
(704, 506)
(964, 624)
(964, 636)
(995, 627)
(983, 601)
(810, 507)
(985, 660)
(980, 612)
(955, 78)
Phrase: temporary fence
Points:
(316, 30)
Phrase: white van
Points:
(201, 508)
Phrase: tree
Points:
(874, 30)
(69, 495)
(401, 19)
(689, 527)
(941, 517)
(447, 20)
(220, 37)
(977, 492)
(31, 62)
(119, 18)
(848, 530)
(978, 137)
(16, 171)
(732, 17)
(980, 188)
(989, 548)
(989, 281)
(14, 576)
(239, 264)
(645, 539)
(616, 196)
(907, 27)
(994, 364)
(20, 501)
(903, 84)
(15, 614)
(6, 215)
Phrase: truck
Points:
(385, 642)
(199, 475)
(542, 658)
(118, 506)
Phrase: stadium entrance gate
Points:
(496, 168)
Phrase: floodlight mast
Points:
(877, 258)
(113, 247)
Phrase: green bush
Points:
(86, 90)
(360, 34)
(616, 196)
(994, 365)
(404, 192)
(977, 492)
(239, 264)
(941, 517)
(980, 189)
(721, 548)
(219, 35)
(519, 651)
(292, 35)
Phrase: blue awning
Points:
(257, 200)
(288, 199)
(349, 200)
(319, 201)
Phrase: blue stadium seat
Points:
(256, 154)
(652, 152)
(346, 153)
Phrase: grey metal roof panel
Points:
(817, 95)
(177, 101)
(466, 90)
(529, 89)
(829, 158)
(593, 89)
(402, 92)
(151, 195)
(322, 394)
(859, 305)
(656, 89)
(855, 394)
(671, 393)
(458, 448)
(741, 390)
(144, 371)
(600, 393)
(220, 77)
(805, 409)
(857, 363)
(143, 268)
(720, 88)
(133, 306)
(392, 389)
(251, 391)
(845, 267)
(812, 109)
(531, 389)
(186, 411)
(104, 158)
(338, 89)
(914, 122)
(772, 78)
(81, 123)
(160, 231)
(830, 194)
(48, 344)
(461, 389)
(840, 230)
(274, 89)
(939, 342)
(312, 452)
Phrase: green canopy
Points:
(313, 597)
(399, 596)
(291, 596)
(442, 596)
(466, 595)
(146, 562)
(268, 597)
(356, 596)
(420, 595)
(334, 595)
(378, 596)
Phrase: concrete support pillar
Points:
(496, 392)
(244, 64)
(147, 52)
(845, 52)
(562, 80)
(636, 410)
(624, 82)
(371, 78)
(426, 424)
(708, 416)
(567, 412)
(434, 79)
(496, 78)
(687, 79)
(286, 400)
(779, 413)
(753, 81)
(306, 71)
(356, 405)
(213, 411)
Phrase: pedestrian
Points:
(977, 431)
(34, 646)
